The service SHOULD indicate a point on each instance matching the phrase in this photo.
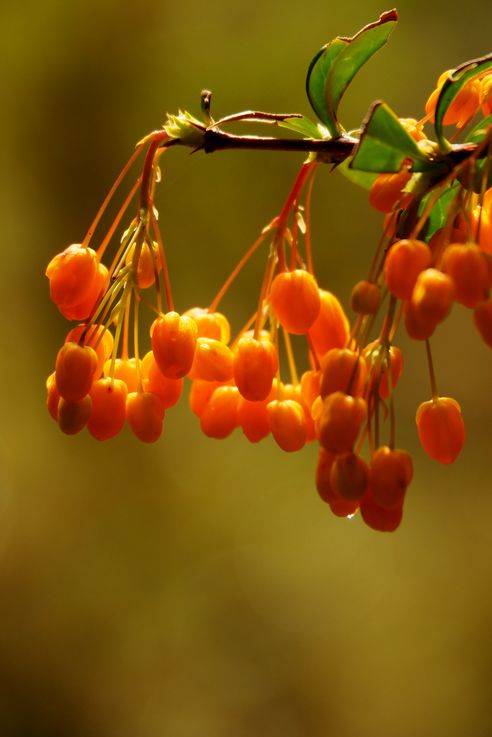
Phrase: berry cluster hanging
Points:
(339, 390)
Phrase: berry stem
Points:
(111, 192)
(117, 220)
(162, 256)
(432, 375)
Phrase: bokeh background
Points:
(197, 588)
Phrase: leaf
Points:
(363, 179)
(439, 213)
(316, 82)
(337, 63)
(385, 145)
(454, 83)
(478, 133)
(304, 126)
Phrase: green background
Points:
(197, 588)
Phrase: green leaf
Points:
(385, 145)
(316, 82)
(304, 126)
(478, 133)
(363, 179)
(451, 87)
(337, 63)
(440, 212)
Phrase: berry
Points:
(331, 327)
(349, 476)
(441, 429)
(73, 414)
(210, 324)
(253, 419)
(468, 268)
(343, 370)
(482, 317)
(365, 298)
(295, 300)
(287, 424)
(377, 517)
(168, 390)
(108, 412)
(72, 275)
(387, 190)
(404, 262)
(390, 474)
(432, 296)
(212, 361)
(340, 422)
(255, 365)
(173, 344)
(74, 370)
(145, 415)
(219, 416)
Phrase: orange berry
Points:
(200, 393)
(287, 423)
(349, 476)
(390, 474)
(405, 260)
(253, 419)
(72, 275)
(145, 415)
(481, 226)
(387, 190)
(417, 326)
(98, 338)
(432, 296)
(53, 396)
(149, 263)
(343, 370)
(74, 370)
(468, 268)
(255, 365)
(83, 309)
(486, 94)
(168, 390)
(378, 356)
(331, 327)
(365, 298)
(340, 507)
(441, 429)
(173, 344)
(310, 387)
(212, 361)
(295, 300)
(108, 412)
(377, 517)
(210, 324)
(340, 422)
(125, 369)
(73, 415)
(219, 416)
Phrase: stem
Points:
(108, 197)
(432, 375)
(162, 255)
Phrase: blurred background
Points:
(197, 588)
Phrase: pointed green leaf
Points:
(316, 81)
(385, 145)
(304, 126)
(334, 67)
(478, 133)
(364, 179)
(440, 212)
(454, 83)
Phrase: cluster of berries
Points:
(345, 392)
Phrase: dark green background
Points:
(197, 588)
